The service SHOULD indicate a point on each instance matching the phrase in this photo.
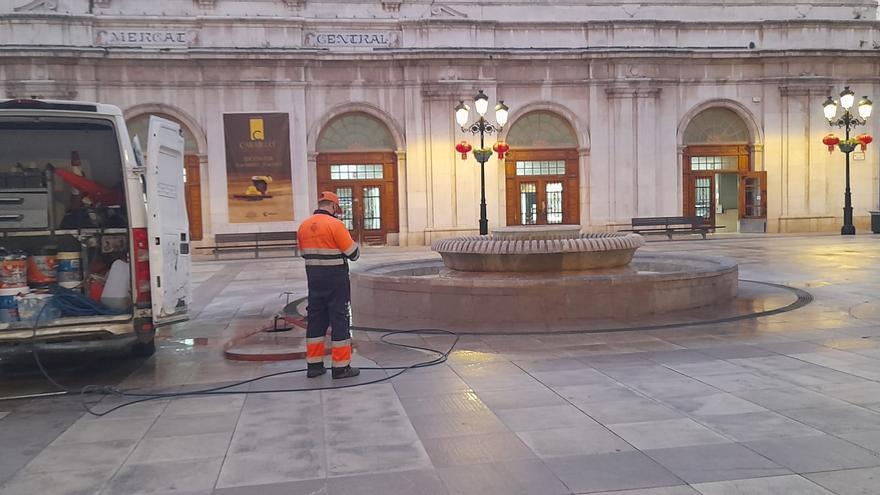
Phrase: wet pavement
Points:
(786, 404)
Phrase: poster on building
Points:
(258, 167)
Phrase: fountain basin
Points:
(538, 249)
(426, 294)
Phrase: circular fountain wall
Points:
(533, 281)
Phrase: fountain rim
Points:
(713, 265)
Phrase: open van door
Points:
(167, 224)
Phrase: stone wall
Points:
(628, 87)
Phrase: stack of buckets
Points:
(25, 280)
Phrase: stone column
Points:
(804, 169)
(633, 152)
(402, 200)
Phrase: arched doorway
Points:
(720, 183)
(541, 171)
(138, 126)
(356, 161)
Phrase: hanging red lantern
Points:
(464, 148)
(864, 140)
(831, 141)
(501, 148)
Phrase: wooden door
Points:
(367, 188)
(193, 188)
(753, 195)
(542, 187)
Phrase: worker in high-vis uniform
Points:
(326, 248)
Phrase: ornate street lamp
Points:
(482, 154)
(847, 121)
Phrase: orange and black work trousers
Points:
(329, 295)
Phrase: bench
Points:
(254, 241)
(671, 225)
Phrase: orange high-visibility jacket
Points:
(324, 241)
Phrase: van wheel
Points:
(143, 349)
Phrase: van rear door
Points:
(168, 226)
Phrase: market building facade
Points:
(617, 109)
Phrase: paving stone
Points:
(180, 448)
(666, 434)
(89, 430)
(668, 490)
(763, 486)
(476, 449)
(193, 424)
(466, 402)
(780, 399)
(264, 468)
(81, 456)
(756, 426)
(817, 453)
(672, 387)
(310, 487)
(583, 376)
(346, 460)
(203, 405)
(580, 440)
(515, 398)
(544, 417)
(714, 404)
(704, 463)
(457, 424)
(837, 420)
(607, 472)
(535, 366)
(587, 394)
(501, 478)
(632, 410)
(85, 482)
(866, 439)
(849, 482)
(165, 477)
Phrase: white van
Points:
(71, 181)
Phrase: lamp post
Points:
(848, 121)
(482, 154)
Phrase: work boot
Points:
(316, 369)
(345, 372)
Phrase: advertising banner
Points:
(258, 167)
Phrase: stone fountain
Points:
(536, 278)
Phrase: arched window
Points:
(541, 129)
(717, 125)
(356, 161)
(542, 171)
(719, 183)
(355, 132)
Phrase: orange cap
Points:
(329, 196)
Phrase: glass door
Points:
(528, 203)
(704, 197)
(362, 213)
(753, 195)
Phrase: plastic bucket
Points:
(69, 269)
(32, 306)
(13, 271)
(9, 305)
(117, 288)
(41, 270)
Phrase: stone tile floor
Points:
(788, 404)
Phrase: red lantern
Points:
(864, 140)
(501, 148)
(464, 148)
(831, 141)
